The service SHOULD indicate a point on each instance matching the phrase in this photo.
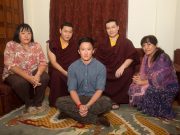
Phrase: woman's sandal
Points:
(115, 106)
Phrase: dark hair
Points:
(149, 39)
(153, 40)
(86, 39)
(66, 24)
(21, 27)
(112, 20)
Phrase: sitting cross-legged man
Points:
(86, 83)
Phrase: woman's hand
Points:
(137, 80)
(37, 78)
(34, 80)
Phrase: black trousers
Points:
(24, 89)
(101, 106)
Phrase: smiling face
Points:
(149, 48)
(66, 33)
(86, 51)
(25, 36)
(112, 29)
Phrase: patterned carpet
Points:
(126, 121)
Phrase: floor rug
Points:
(125, 121)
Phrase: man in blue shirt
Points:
(86, 83)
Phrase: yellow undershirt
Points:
(63, 43)
(112, 41)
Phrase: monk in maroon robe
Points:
(120, 57)
(62, 52)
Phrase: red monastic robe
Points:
(58, 82)
(113, 58)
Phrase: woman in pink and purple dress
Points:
(154, 88)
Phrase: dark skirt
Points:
(158, 102)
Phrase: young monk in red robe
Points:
(62, 52)
(120, 57)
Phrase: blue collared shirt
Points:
(86, 79)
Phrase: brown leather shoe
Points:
(102, 120)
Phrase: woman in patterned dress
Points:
(24, 69)
(154, 88)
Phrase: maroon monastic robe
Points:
(58, 82)
(113, 58)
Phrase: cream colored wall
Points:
(155, 17)
(165, 29)
(141, 19)
(158, 17)
(177, 30)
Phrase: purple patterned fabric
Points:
(156, 98)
